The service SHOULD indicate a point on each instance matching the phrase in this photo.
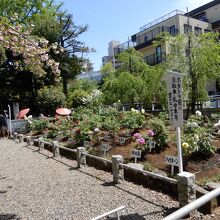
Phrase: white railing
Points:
(17, 125)
(193, 205)
(110, 213)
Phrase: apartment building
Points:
(202, 19)
(111, 55)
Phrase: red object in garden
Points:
(22, 113)
(63, 111)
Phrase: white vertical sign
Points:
(175, 104)
(136, 154)
(175, 107)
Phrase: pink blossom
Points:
(150, 133)
(141, 141)
(137, 135)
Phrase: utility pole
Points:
(191, 73)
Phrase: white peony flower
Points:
(96, 130)
(198, 113)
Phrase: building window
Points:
(187, 28)
(202, 17)
(145, 39)
(198, 30)
(158, 54)
(173, 30)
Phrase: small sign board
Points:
(175, 105)
(121, 140)
(136, 154)
(173, 161)
(107, 138)
(151, 144)
(105, 148)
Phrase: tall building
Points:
(111, 55)
(202, 19)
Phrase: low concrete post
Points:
(39, 143)
(28, 140)
(21, 138)
(116, 159)
(80, 156)
(15, 136)
(56, 150)
(186, 188)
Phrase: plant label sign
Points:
(175, 105)
(121, 140)
(105, 148)
(107, 138)
(151, 144)
(136, 154)
(173, 161)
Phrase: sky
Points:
(118, 19)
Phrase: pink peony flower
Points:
(150, 133)
(137, 135)
(141, 141)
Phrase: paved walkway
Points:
(33, 185)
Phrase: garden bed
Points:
(203, 169)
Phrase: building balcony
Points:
(161, 19)
(124, 46)
(147, 38)
(155, 59)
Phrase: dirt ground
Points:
(202, 169)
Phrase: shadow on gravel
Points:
(9, 217)
(169, 211)
(106, 184)
(134, 216)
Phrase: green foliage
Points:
(125, 87)
(39, 125)
(160, 131)
(200, 65)
(133, 81)
(75, 98)
(132, 120)
(50, 98)
(148, 167)
(196, 139)
(84, 93)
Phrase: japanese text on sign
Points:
(175, 106)
(136, 153)
(171, 160)
(105, 147)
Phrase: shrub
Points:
(196, 140)
(160, 132)
(50, 98)
(39, 125)
(132, 120)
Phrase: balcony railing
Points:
(151, 35)
(167, 16)
(155, 58)
(124, 46)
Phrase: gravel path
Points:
(35, 186)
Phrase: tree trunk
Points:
(65, 82)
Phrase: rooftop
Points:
(164, 17)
